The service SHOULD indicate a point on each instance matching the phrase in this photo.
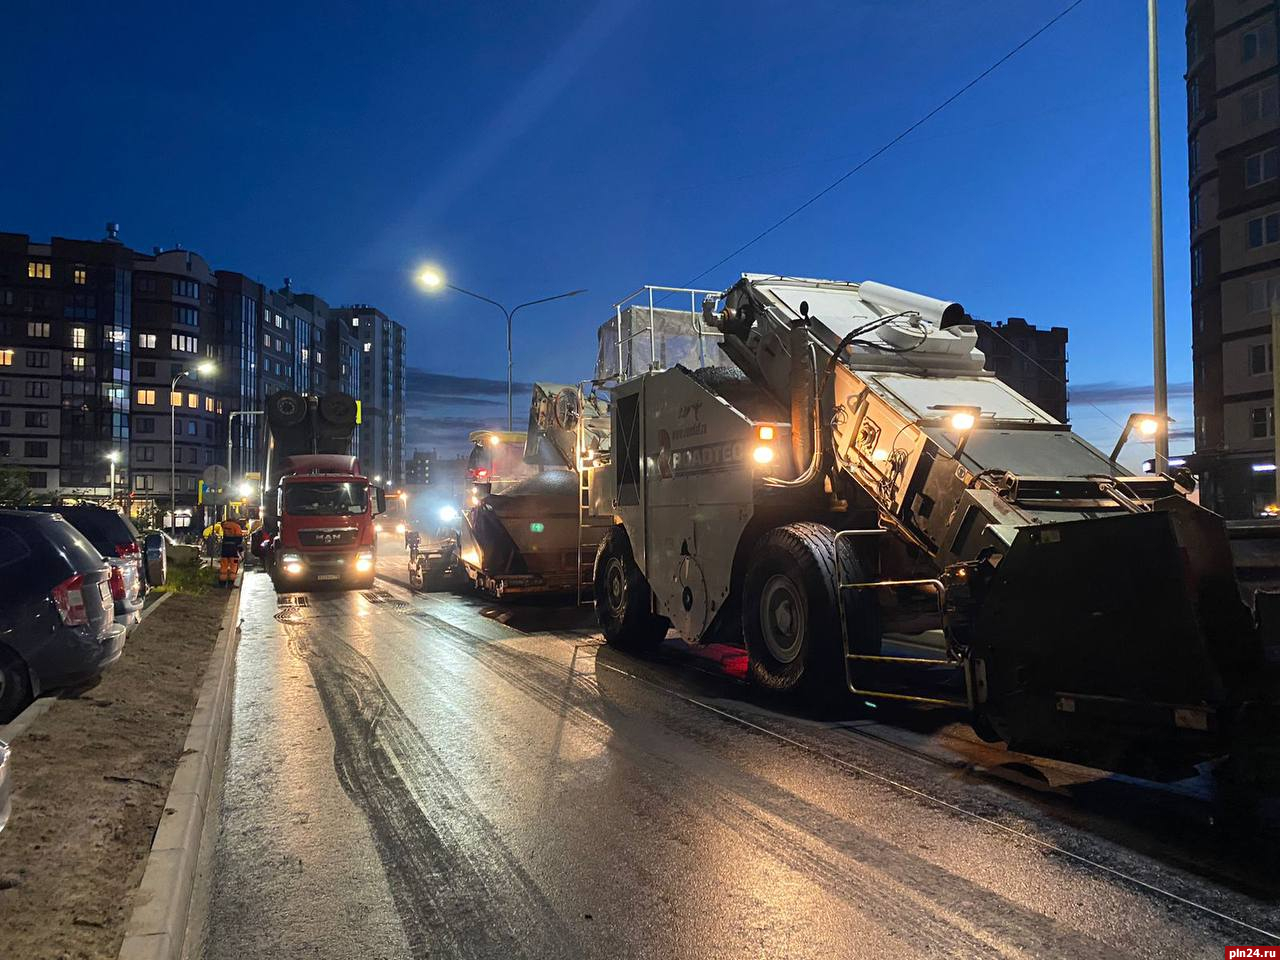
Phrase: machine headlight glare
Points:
(1148, 426)
(963, 420)
(364, 562)
(762, 454)
(401, 528)
(764, 433)
(293, 568)
(448, 514)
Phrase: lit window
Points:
(368, 347)
(266, 340)
(146, 397)
(37, 270)
(147, 341)
(37, 328)
(77, 363)
(77, 338)
(175, 398)
(6, 358)
(193, 401)
(80, 275)
(208, 404)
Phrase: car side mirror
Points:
(381, 496)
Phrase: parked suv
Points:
(119, 542)
(57, 624)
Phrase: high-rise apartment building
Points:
(65, 347)
(380, 355)
(1233, 152)
(1030, 360)
(99, 353)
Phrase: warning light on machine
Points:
(762, 454)
(536, 527)
(764, 433)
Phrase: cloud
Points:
(424, 383)
(442, 409)
(1110, 391)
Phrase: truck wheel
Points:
(622, 596)
(789, 616)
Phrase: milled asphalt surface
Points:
(410, 776)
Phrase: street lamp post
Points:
(231, 423)
(1157, 241)
(204, 369)
(112, 457)
(434, 280)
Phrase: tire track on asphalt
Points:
(457, 888)
(959, 917)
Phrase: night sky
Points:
(528, 149)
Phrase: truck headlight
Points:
(401, 528)
(448, 514)
(290, 558)
(364, 562)
(762, 454)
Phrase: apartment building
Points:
(100, 354)
(1233, 152)
(1030, 360)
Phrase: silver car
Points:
(4, 784)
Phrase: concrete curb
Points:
(23, 721)
(157, 928)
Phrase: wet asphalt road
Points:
(411, 776)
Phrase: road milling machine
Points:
(531, 534)
(852, 468)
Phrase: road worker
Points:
(232, 546)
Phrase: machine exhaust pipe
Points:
(803, 388)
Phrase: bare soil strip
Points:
(90, 784)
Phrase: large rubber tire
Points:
(15, 685)
(790, 620)
(624, 602)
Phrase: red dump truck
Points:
(318, 507)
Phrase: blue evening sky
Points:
(531, 148)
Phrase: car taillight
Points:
(127, 549)
(117, 584)
(69, 599)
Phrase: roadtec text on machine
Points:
(857, 466)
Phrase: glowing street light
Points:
(433, 279)
(1149, 426)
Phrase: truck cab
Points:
(318, 506)
(326, 528)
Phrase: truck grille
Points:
(327, 538)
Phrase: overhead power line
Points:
(887, 146)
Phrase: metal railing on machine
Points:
(675, 336)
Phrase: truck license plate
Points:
(327, 576)
(104, 591)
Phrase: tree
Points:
(13, 485)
